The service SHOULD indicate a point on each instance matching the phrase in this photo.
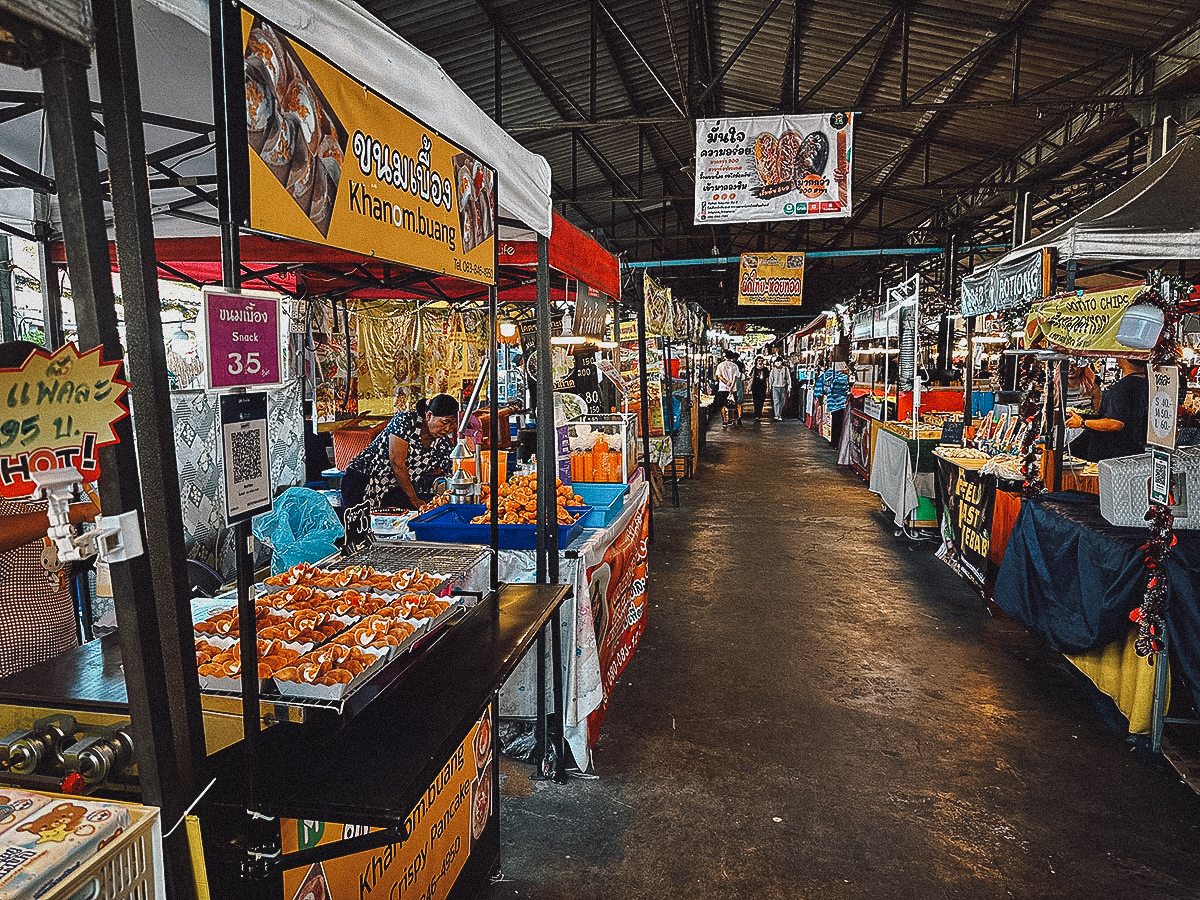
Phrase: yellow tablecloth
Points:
(1119, 672)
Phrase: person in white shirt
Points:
(727, 375)
(780, 380)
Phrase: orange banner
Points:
(443, 828)
(333, 163)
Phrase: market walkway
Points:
(817, 711)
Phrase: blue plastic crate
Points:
(452, 524)
(606, 500)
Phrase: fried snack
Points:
(328, 665)
(295, 575)
(378, 631)
(518, 502)
(421, 605)
(272, 656)
(306, 627)
(303, 576)
(226, 623)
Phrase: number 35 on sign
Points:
(242, 342)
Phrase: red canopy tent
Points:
(280, 265)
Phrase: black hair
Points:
(440, 405)
(14, 353)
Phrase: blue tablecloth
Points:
(1072, 578)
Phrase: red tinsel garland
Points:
(1030, 412)
(1151, 615)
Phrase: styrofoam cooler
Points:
(1125, 488)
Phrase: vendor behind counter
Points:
(399, 467)
(1119, 428)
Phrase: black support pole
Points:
(125, 144)
(167, 780)
(644, 424)
(8, 324)
(547, 531)
(262, 838)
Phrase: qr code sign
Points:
(245, 461)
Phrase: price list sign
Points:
(55, 411)
(1163, 418)
(242, 342)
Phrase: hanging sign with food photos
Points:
(333, 163)
(773, 168)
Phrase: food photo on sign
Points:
(773, 168)
(291, 126)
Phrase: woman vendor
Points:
(37, 611)
(398, 468)
(1119, 429)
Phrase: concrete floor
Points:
(819, 711)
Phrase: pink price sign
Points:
(242, 339)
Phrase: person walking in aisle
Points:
(727, 376)
(834, 385)
(779, 380)
(758, 385)
(739, 391)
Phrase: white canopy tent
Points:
(176, 83)
(1153, 216)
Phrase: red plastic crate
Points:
(351, 440)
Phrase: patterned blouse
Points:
(37, 614)
(424, 463)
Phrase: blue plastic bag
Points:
(302, 527)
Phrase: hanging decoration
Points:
(1031, 418)
(1151, 615)
(389, 362)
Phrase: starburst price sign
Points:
(56, 411)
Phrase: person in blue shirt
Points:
(833, 385)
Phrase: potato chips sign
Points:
(56, 411)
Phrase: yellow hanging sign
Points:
(1084, 323)
(771, 279)
(333, 163)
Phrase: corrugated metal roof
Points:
(962, 102)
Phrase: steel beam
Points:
(737, 53)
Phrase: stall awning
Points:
(272, 264)
(1155, 215)
(573, 252)
(815, 325)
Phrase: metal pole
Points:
(1159, 705)
(969, 377)
(233, 192)
(547, 531)
(166, 780)
(494, 380)
(8, 324)
(154, 424)
(48, 273)
(494, 426)
(640, 291)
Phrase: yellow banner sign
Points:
(333, 163)
(772, 279)
(54, 412)
(443, 829)
(660, 308)
(1085, 323)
